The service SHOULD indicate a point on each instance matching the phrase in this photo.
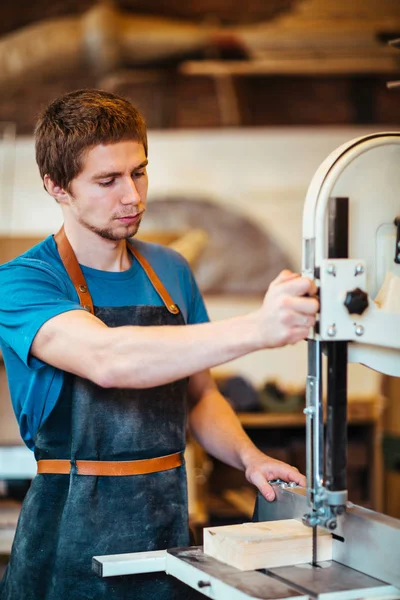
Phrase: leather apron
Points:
(66, 519)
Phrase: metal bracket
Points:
(397, 249)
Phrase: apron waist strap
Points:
(110, 467)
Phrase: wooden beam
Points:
(314, 64)
(266, 544)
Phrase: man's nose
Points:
(131, 194)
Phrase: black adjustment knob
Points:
(356, 301)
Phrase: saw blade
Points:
(314, 546)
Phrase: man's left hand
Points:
(261, 468)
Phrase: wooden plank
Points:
(310, 65)
(266, 544)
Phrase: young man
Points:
(106, 344)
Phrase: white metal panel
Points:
(17, 462)
(130, 563)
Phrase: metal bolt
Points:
(331, 270)
(331, 330)
(331, 524)
(359, 270)
(283, 485)
(310, 520)
(398, 257)
(310, 410)
(359, 330)
(398, 245)
(292, 484)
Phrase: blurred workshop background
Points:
(243, 101)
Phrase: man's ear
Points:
(55, 190)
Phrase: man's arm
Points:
(215, 425)
(141, 357)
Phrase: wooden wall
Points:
(285, 62)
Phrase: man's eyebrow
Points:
(105, 174)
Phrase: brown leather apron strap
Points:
(73, 269)
(112, 468)
(158, 286)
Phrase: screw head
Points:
(331, 332)
(359, 330)
(331, 270)
(331, 524)
(359, 270)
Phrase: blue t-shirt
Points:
(36, 287)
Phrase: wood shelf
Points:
(311, 64)
(360, 410)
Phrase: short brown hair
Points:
(77, 122)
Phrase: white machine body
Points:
(367, 171)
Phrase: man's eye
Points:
(138, 174)
(106, 183)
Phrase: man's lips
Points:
(130, 218)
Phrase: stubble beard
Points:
(109, 234)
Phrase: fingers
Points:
(289, 474)
(304, 321)
(259, 480)
(299, 286)
(288, 310)
(306, 306)
(298, 312)
(267, 469)
(285, 472)
(313, 288)
(285, 275)
(295, 284)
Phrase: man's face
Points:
(109, 194)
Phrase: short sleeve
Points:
(31, 293)
(197, 310)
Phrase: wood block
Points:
(266, 544)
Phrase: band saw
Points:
(351, 248)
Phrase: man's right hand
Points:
(288, 311)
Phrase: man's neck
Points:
(92, 250)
